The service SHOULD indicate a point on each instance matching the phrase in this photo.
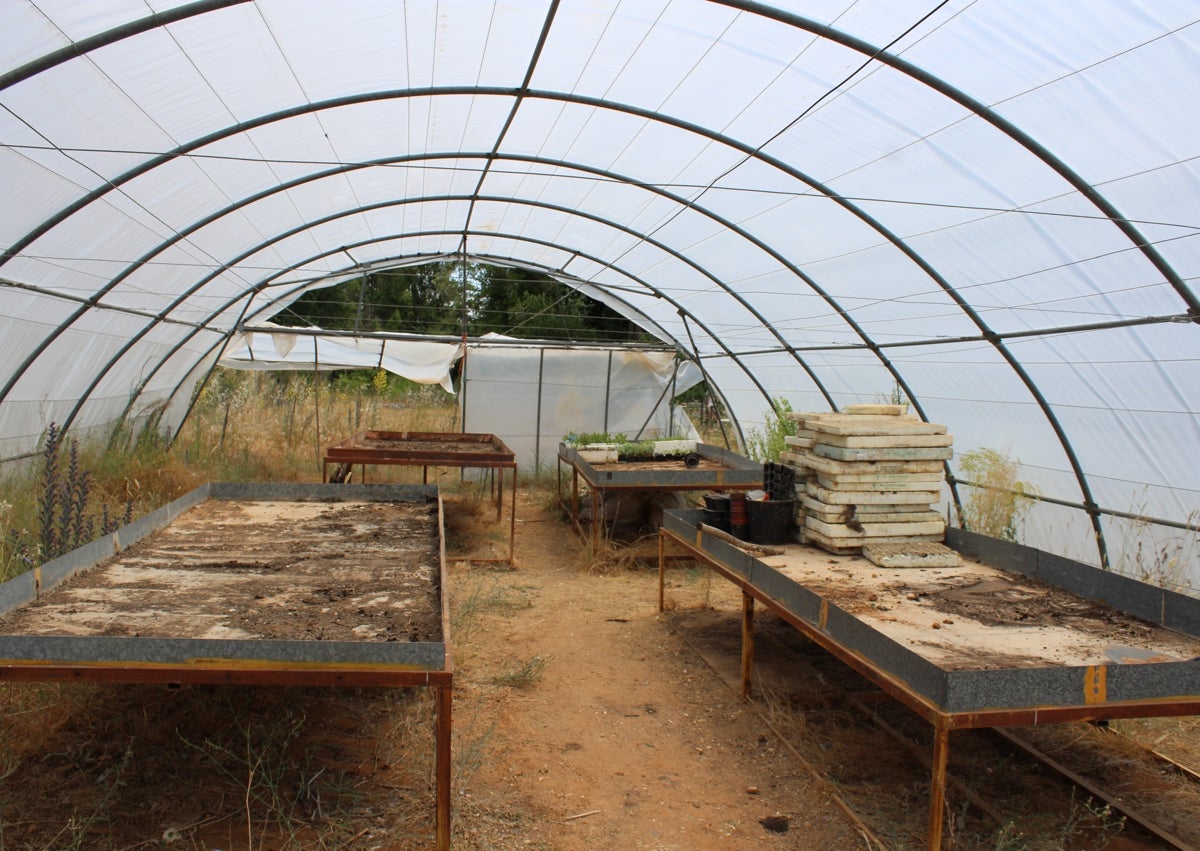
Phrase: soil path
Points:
(584, 721)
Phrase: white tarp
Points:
(422, 361)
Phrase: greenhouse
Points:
(979, 208)
(974, 211)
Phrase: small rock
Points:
(775, 824)
(937, 625)
(751, 790)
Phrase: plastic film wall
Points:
(986, 207)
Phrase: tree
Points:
(428, 299)
(414, 300)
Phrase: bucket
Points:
(769, 520)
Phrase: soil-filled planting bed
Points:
(978, 617)
(306, 571)
(660, 464)
(448, 446)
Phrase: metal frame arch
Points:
(112, 36)
(650, 288)
(1049, 159)
(410, 260)
(647, 115)
(224, 336)
(938, 85)
(435, 199)
(157, 20)
(253, 292)
(651, 188)
(983, 111)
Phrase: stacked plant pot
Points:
(871, 476)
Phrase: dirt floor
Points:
(583, 719)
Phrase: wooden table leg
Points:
(662, 568)
(747, 644)
(596, 521)
(443, 702)
(937, 785)
(512, 521)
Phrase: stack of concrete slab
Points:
(796, 457)
(871, 476)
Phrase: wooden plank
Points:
(887, 485)
(890, 514)
(799, 442)
(795, 459)
(911, 555)
(839, 453)
(849, 481)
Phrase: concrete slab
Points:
(864, 531)
(885, 440)
(886, 454)
(833, 466)
(839, 497)
(911, 554)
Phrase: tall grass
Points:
(245, 426)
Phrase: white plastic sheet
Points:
(991, 206)
(532, 396)
(422, 361)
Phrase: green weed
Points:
(765, 445)
(997, 501)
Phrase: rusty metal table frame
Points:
(763, 585)
(108, 659)
(486, 452)
(734, 473)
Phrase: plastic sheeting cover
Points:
(531, 397)
(989, 208)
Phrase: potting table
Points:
(178, 607)
(718, 469)
(432, 449)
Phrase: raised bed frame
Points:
(728, 471)
(959, 699)
(182, 659)
(426, 449)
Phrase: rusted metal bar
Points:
(443, 700)
(919, 752)
(937, 785)
(1113, 800)
(747, 644)
(662, 569)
